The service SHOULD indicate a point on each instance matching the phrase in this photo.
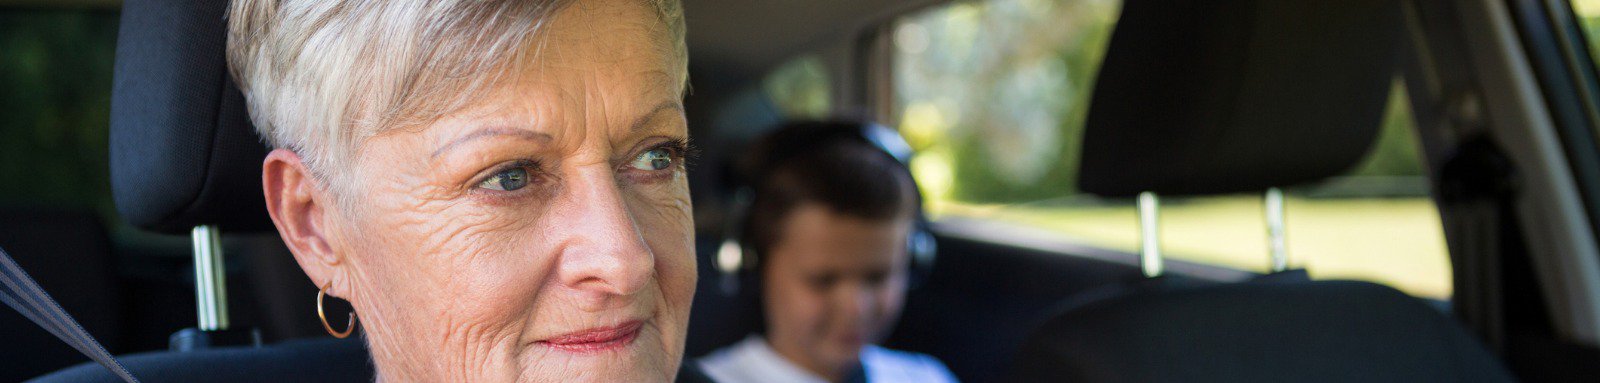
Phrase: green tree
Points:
(54, 107)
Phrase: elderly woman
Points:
(495, 186)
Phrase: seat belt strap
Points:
(21, 293)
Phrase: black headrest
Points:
(1224, 96)
(183, 152)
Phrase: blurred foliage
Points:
(800, 88)
(55, 68)
(1396, 153)
(1588, 14)
(996, 92)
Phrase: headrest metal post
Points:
(210, 283)
(1149, 235)
(1277, 249)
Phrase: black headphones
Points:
(735, 257)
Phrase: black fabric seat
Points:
(1327, 331)
(304, 360)
(308, 360)
(69, 254)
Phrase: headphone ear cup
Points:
(729, 262)
(735, 256)
(749, 264)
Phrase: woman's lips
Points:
(596, 339)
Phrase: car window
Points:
(54, 107)
(800, 88)
(1588, 14)
(994, 94)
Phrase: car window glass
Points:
(994, 94)
(800, 88)
(1588, 14)
(55, 107)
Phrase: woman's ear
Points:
(298, 207)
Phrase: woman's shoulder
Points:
(886, 365)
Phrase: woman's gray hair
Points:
(319, 76)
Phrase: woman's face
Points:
(833, 283)
(541, 234)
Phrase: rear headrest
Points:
(1223, 96)
(183, 152)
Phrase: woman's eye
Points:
(653, 160)
(507, 180)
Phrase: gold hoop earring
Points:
(347, 330)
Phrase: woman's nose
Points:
(606, 251)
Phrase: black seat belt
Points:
(22, 294)
(1477, 185)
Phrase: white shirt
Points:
(753, 360)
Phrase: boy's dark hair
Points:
(829, 163)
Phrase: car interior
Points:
(182, 276)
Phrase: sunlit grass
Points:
(1396, 241)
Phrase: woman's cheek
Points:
(664, 211)
(461, 258)
(663, 214)
(410, 215)
(475, 236)
(666, 222)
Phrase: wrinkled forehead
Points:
(604, 38)
(612, 56)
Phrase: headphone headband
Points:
(793, 140)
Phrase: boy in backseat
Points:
(832, 221)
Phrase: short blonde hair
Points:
(319, 76)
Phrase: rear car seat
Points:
(1204, 97)
(1326, 331)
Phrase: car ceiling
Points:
(745, 36)
(738, 38)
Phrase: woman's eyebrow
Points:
(493, 131)
(641, 123)
(637, 125)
